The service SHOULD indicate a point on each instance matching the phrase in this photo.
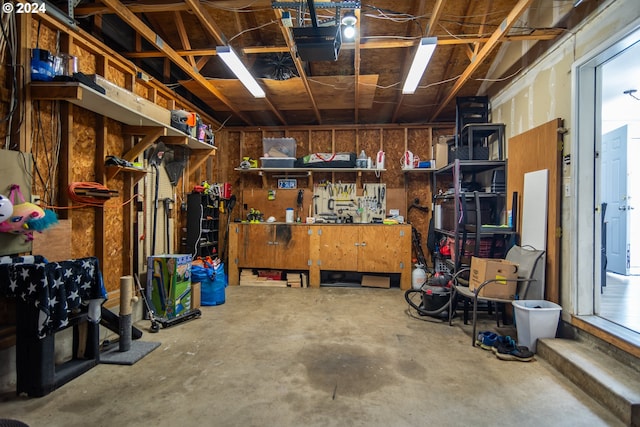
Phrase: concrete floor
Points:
(314, 357)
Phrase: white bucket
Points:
(535, 319)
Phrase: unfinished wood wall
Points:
(70, 144)
(402, 188)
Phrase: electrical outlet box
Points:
(142, 76)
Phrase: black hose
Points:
(407, 297)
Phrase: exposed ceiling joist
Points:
(356, 67)
(538, 34)
(491, 44)
(208, 23)
(408, 56)
(184, 38)
(134, 22)
(299, 65)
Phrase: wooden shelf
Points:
(309, 172)
(88, 98)
(137, 173)
(419, 170)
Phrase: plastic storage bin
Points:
(277, 162)
(535, 319)
(279, 147)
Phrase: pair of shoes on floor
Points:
(504, 347)
(486, 339)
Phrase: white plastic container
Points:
(535, 319)
(289, 215)
(418, 277)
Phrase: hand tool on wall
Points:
(155, 154)
(167, 214)
(299, 203)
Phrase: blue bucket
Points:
(42, 65)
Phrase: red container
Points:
(226, 190)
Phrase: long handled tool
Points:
(154, 323)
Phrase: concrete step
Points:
(607, 379)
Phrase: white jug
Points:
(407, 160)
(380, 160)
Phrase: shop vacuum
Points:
(435, 295)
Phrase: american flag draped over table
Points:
(57, 289)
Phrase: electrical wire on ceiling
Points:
(275, 21)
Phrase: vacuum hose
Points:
(439, 281)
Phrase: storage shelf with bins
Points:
(455, 222)
(133, 116)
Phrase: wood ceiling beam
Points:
(541, 34)
(491, 44)
(184, 38)
(207, 21)
(209, 25)
(291, 48)
(435, 17)
(154, 6)
(408, 56)
(134, 22)
(356, 67)
(476, 46)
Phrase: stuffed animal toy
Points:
(6, 208)
(27, 217)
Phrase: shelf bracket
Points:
(151, 135)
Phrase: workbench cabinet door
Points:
(384, 248)
(290, 247)
(255, 247)
(339, 247)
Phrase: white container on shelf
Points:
(289, 215)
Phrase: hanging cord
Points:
(90, 193)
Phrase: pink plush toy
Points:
(26, 217)
(6, 208)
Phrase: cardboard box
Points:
(169, 281)
(442, 154)
(195, 295)
(483, 269)
(376, 281)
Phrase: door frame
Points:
(585, 185)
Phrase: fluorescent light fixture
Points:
(233, 62)
(423, 55)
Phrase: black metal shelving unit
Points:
(203, 225)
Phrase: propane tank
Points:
(418, 276)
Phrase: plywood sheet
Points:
(536, 149)
(291, 94)
(54, 243)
